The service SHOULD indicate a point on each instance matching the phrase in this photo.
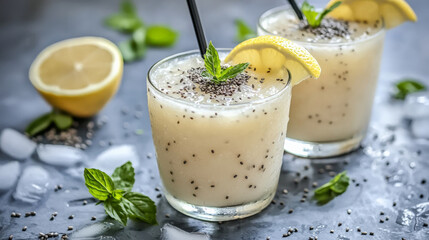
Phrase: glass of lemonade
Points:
(219, 149)
(329, 116)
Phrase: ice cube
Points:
(60, 155)
(115, 156)
(9, 173)
(420, 128)
(413, 217)
(170, 232)
(96, 230)
(417, 105)
(15, 144)
(32, 185)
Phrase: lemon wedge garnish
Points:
(272, 54)
(393, 12)
(78, 75)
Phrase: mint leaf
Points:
(130, 51)
(62, 121)
(140, 207)
(244, 32)
(119, 204)
(116, 210)
(326, 11)
(310, 13)
(407, 86)
(340, 183)
(233, 71)
(123, 22)
(139, 38)
(214, 69)
(123, 177)
(161, 36)
(127, 50)
(39, 124)
(117, 194)
(99, 184)
(314, 18)
(206, 74)
(126, 20)
(212, 61)
(337, 186)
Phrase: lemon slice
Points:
(273, 54)
(78, 75)
(393, 12)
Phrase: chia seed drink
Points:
(329, 116)
(219, 148)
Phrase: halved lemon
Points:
(393, 12)
(273, 54)
(78, 75)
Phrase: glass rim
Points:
(209, 105)
(278, 9)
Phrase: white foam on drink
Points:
(286, 24)
(15, 144)
(172, 78)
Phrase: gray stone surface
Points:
(388, 168)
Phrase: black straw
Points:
(296, 9)
(199, 32)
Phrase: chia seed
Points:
(227, 88)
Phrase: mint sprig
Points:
(61, 121)
(244, 32)
(115, 194)
(214, 70)
(314, 18)
(128, 21)
(407, 86)
(337, 186)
